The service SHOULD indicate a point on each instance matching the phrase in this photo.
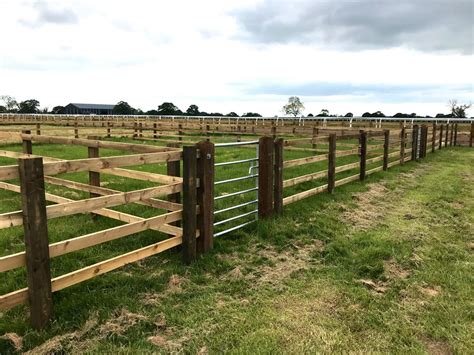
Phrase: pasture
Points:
(361, 269)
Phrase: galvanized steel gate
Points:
(251, 192)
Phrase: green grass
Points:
(381, 266)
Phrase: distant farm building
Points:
(88, 109)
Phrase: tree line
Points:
(294, 107)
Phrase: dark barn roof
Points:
(93, 106)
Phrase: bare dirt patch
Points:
(370, 207)
(121, 323)
(431, 291)
(90, 334)
(435, 347)
(393, 270)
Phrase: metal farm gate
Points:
(245, 200)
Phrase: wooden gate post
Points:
(332, 163)
(189, 203)
(440, 136)
(265, 177)
(205, 197)
(433, 139)
(414, 143)
(35, 226)
(27, 145)
(278, 171)
(402, 145)
(94, 177)
(363, 153)
(386, 146)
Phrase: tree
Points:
(193, 110)
(152, 113)
(3, 109)
(251, 114)
(28, 106)
(232, 114)
(294, 106)
(123, 108)
(458, 110)
(57, 109)
(168, 108)
(10, 103)
(216, 114)
(310, 115)
(324, 113)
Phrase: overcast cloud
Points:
(240, 55)
(426, 25)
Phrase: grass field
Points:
(380, 266)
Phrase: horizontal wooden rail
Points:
(69, 166)
(13, 261)
(130, 147)
(89, 205)
(304, 194)
(303, 161)
(304, 178)
(12, 299)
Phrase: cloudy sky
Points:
(342, 55)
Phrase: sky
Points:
(239, 55)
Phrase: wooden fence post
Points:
(455, 134)
(94, 177)
(433, 139)
(36, 241)
(108, 129)
(363, 153)
(471, 138)
(332, 163)
(402, 145)
(27, 145)
(265, 177)
(414, 143)
(386, 146)
(38, 129)
(189, 203)
(447, 135)
(313, 141)
(135, 130)
(422, 142)
(205, 197)
(440, 136)
(278, 171)
(76, 130)
(154, 130)
(451, 136)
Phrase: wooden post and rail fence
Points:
(190, 197)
